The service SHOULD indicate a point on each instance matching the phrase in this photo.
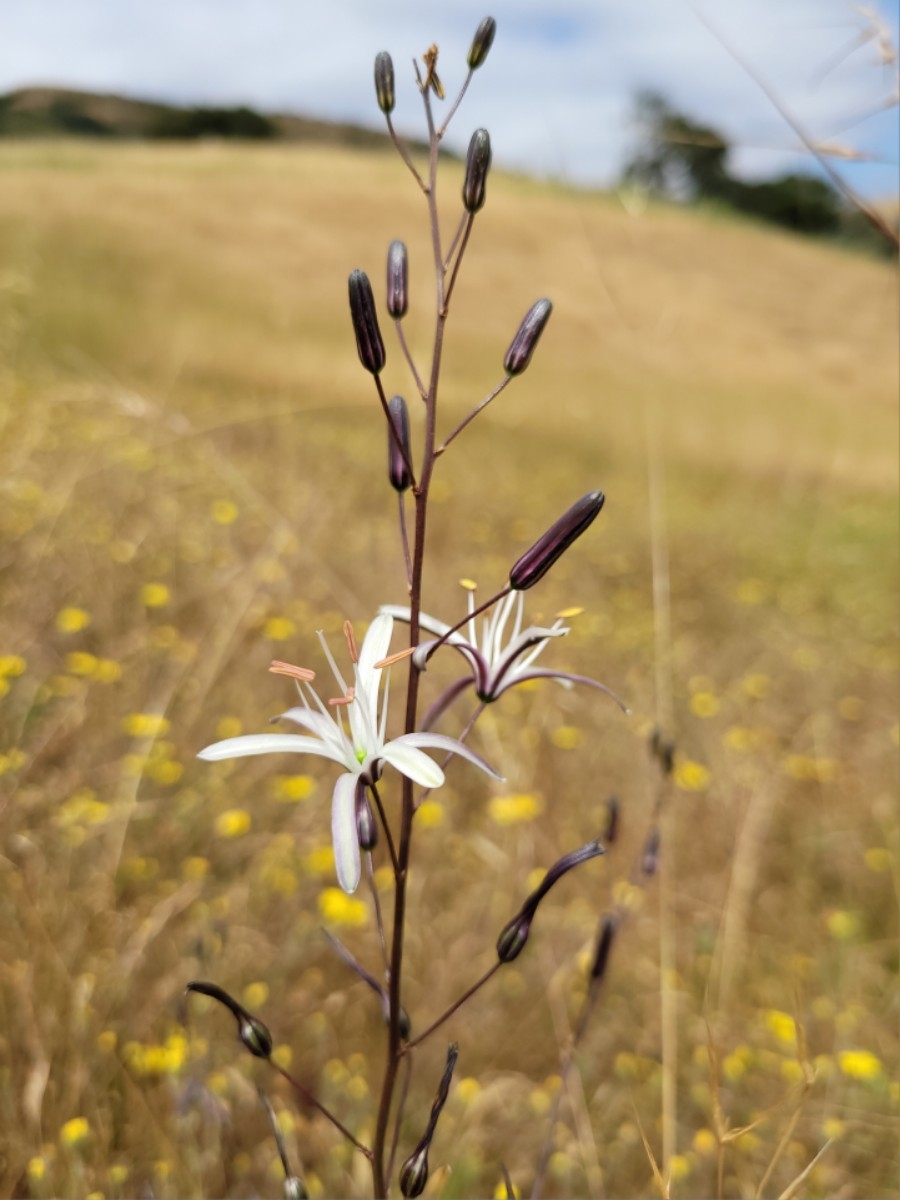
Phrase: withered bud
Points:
(384, 82)
(481, 43)
(398, 436)
(478, 163)
(366, 826)
(397, 280)
(515, 933)
(608, 927)
(252, 1032)
(612, 820)
(365, 323)
(536, 562)
(513, 937)
(414, 1173)
(521, 348)
(650, 854)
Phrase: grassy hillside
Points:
(192, 464)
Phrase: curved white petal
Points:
(343, 832)
(439, 741)
(317, 723)
(412, 762)
(269, 743)
(375, 647)
(431, 624)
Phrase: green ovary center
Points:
(360, 756)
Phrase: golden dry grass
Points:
(193, 476)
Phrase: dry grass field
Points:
(192, 466)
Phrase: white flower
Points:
(495, 667)
(359, 746)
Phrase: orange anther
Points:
(302, 673)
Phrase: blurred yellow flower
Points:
(679, 1167)
(224, 512)
(511, 810)
(833, 1128)
(83, 808)
(844, 926)
(878, 859)
(501, 1191)
(805, 658)
(320, 861)
(704, 704)
(781, 1024)
(255, 995)
(756, 686)
(107, 1040)
(337, 908)
(228, 727)
(692, 776)
(860, 1064)
(12, 665)
(430, 813)
(117, 1174)
(145, 725)
(107, 670)
(705, 1143)
(72, 620)
(195, 868)
(566, 737)
(751, 591)
(791, 1071)
(290, 789)
(233, 823)
(37, 1168)
(279, 629)
(467, 1089)
(851, 708)
(810, 770)
(75, 1132)
(155, 595)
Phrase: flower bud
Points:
(255, 1036)
(366, 827)
(650, 854)
(521, 348)
(481, 43)
(384, 82)
(414, 1173)
(608, 928)
(478, 163)
(513, 937)
(365, 323)
(536, 562)
(295, 1189)
(612, 820)
(397, 471)
(397, 280)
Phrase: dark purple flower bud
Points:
(515, 933)
(650, 855)
(398, 436)
(612, 820)
(478, 163)
(663, 750)
(384, 82)
(608, 928)
(513, 937)
(414, 1173)
(365, 323)
(295, 1189)
(251, 1030)
(481, 43)
(366, 826)
(397, 280)
(521, 348)
(536, 562)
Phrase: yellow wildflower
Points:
(72, 620)
(12, 665)
(860, 1064)
(75, 1132)
(337, 908)
(145, 725)
(155, 595)
(704, 704)
(692, 776)
(233, 823)
(224, 512)
(279, 629)
(566, 737)
(511, 810)
(430, 814)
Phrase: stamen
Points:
(343, 701)
(469, 584)
(395, 658)
(304, 674)
(565, 613)
(351, 642)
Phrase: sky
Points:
(556, 92)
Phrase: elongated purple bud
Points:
(397, 471)
(252, 1032)
(536, 562)
(608, 928)
(650, 854)
(365, 323)
(521, 348)
(612, 820)
(384, 82)
(478, 163)
(397, 280)
(514, 934)
(366, 827)
(481, 43)
(414, 1172)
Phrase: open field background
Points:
(192, 467)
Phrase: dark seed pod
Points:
(365, 323)
(414, 1173)
(255, 1036)
(650, 855)
(384, 82)
(295, 1189)
(397, 280)
(518, 356)
(397, 471)
(513, 937)
(536, 562)
(481, 43)
(366, 827)
(612, 820)
(478, 163)
(604, 944)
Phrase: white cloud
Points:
(556, 91)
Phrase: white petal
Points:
(343, 832)
(438, 741)
(412, 763)
(375, 647)
(432, 624)
(269, 743)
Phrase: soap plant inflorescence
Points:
(351, 729)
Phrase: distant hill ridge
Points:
(54, 112)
